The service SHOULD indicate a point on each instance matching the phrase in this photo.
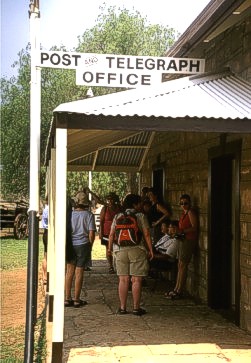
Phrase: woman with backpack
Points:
(131, 243)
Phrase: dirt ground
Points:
(13, 295)
(13, 298)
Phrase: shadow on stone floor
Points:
(97, 328)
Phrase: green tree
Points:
(120, 31)
(15, 131)
(102, 183)
(117, 31)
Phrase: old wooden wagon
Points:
(15, 215)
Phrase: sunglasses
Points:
(184, 203)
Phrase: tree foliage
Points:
(15, 131)
(117, 31)
(102, 183)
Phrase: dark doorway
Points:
(221, 234)
(223, 267)
(158, 182)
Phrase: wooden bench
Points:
(162, 264)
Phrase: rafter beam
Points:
(147, 149)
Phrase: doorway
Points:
(158, 180)
(224, 239)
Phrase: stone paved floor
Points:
(171, 331)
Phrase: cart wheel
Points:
(21, 226)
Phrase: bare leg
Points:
(123, 290)
(79, 276)
(109, 258)
(44, 268)
(70, 270)
(181, 276)
(178, 277)
(136, 291)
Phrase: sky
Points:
(61, 21)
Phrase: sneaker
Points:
(139, 311)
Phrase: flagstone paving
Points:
(171, 331)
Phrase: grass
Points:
(14, 253)
(12, 342)
(98, 251)
(14, 256)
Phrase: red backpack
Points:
(127, 232)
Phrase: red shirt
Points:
(108, 218)
(184, 223)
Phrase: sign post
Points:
(33, 239)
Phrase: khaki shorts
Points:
(132, 261)
(186, 249)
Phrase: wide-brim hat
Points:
(81, 198)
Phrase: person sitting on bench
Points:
(168, 244)
(165, 250)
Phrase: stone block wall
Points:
(231, 49)
(245, 247)
(185, 160)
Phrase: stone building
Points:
(214, 168)
(190, 134)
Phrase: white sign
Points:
(109, 70)
(116, 79)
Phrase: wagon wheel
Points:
(21, 226)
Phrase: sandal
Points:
(68, 303)
(78, 303)
(139, 311)
(176, 295)
(121, 311)
(169, 294)
(111, 270)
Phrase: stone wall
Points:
(185, 160)
(231, 49)
(245, 225)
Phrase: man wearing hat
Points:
(83, 235)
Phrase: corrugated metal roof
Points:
(126, 154)
(114, 132)
(206, 97)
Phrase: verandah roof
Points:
(114, 131)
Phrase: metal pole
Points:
(33, 240)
